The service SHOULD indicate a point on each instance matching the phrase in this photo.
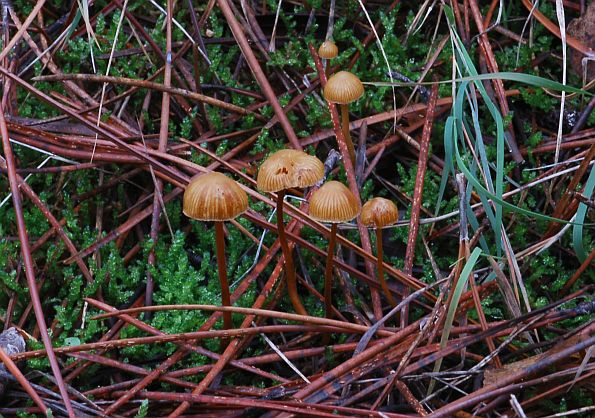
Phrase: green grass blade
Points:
(577, 230)
(452, 308)
(529, 79)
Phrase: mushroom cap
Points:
(214, 197)
(328, 50)
(379, 212)
(343, 88)
(288, 168)
(334, 203)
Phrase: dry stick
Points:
(14, 370)
(28, 261)
(328, 273)
(222, 267)
(176, 338)
(260, 76)
(422, 163)
(572, 42)
(493, 390)
(100, 130)
(166, 89)
(162, 147)
(577, 274)
(350, 171)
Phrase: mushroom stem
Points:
(222, 267)
(345, 129)
(380, 268)
(289, 269)
(328, 273)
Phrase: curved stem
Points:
(328, 273)
(380, 268)
(346, 134)
(289, 269)
(222, 267)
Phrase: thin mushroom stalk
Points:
(346, 133)
(222, 267)
(215, 197)
(328, 273)
(333, 203)
(289, 267)
(380, 268)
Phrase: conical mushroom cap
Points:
(343, 88)
(328, 50)
(289, 168)
(379, 212)
(334, 203)
(214, 197)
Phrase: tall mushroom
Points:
(333, 203)
(215, 197)
(286, 169)
(344, 88)
(327, 51)
(380, 212)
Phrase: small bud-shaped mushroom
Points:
(344, 88)
(380, 212)
(327, 51)
(333, 203)
(216, 197)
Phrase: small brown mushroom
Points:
(333, 203)
(327, 51)
(286, 169)
(215, 197)
(344, 88)
(380, 212)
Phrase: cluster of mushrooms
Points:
(217, 198)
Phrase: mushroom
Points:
(215, 197)
(327, 51)
(333, 203)
(344, 88)
(380, 212)
(286, 169)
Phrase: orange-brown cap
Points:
(289, 168)
(214, 197)
(343, 88)
(379, 212)
(328, 50)
(334, 203)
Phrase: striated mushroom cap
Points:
(328, 50)
(214, 197)
(289, 168)
(379, 212)
(334, 203)
(343, 88)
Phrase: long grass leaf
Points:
(577, 230)
(529, 79)
(452, 308)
